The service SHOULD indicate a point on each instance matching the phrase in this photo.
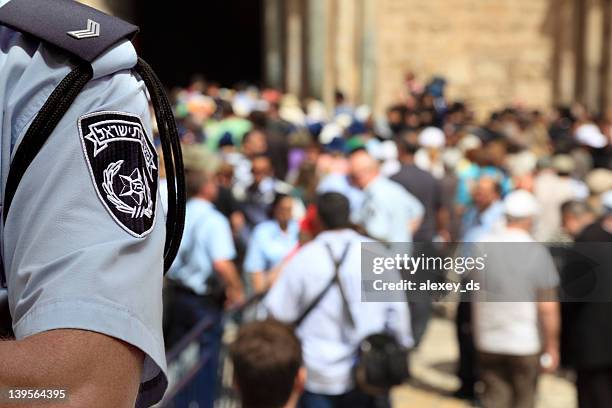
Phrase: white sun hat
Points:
(521, 204)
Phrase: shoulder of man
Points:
(77, 29)
(46, 43)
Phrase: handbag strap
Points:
(335, 278)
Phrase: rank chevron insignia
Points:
(92, 30)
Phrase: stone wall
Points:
(492, 52)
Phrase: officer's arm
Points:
(221, 250)
(74, 257)
(95, 370)
(229, 275)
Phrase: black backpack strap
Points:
(80, 30)
(334, 279)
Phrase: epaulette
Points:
(74, 27)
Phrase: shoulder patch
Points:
(123, 166)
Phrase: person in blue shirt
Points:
(270, 244)
(485, 216)
(487, 212)
(203, 277)
(389, 212)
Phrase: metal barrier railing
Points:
(173, 355)
(189, 377)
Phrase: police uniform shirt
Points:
(69, 260)
(207, 238)
(269, 245)
(329, 342)
(388, 210)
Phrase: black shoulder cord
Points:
(58, 104)
(173, 159)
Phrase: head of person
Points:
(521, 208)
(407, 146)
(268, 371)
(486, 192)
(282, 209)
(339, 97)
(225, 175)
(396, 118)
(333, 211)
(200, 170)
(432, 138)
(254, 143)
(201, 184)
(261, 168)
(363, 168)
(563, 164)
(575, 216)
(224, 109)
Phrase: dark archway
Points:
(220, 39)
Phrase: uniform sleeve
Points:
(71, 262)
(221, 246)
(255, 260)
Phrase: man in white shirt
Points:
(516, 323)
(329, 341)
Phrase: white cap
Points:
(590, 135)
(451, 157)
(432, 137)
(521, 164)
(469, 142)
(388, 150)
(363, 113)
(329, 132)
(316, 112)
(521, 204)
(344, 120)
(606, 200)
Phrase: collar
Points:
(333, 235)
(199, 202)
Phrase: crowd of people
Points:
(282, 192)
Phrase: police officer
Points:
(82, 233)
(389, 212)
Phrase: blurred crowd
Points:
(281, 188)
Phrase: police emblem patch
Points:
(123, 166)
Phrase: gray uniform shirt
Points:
(68, 262)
